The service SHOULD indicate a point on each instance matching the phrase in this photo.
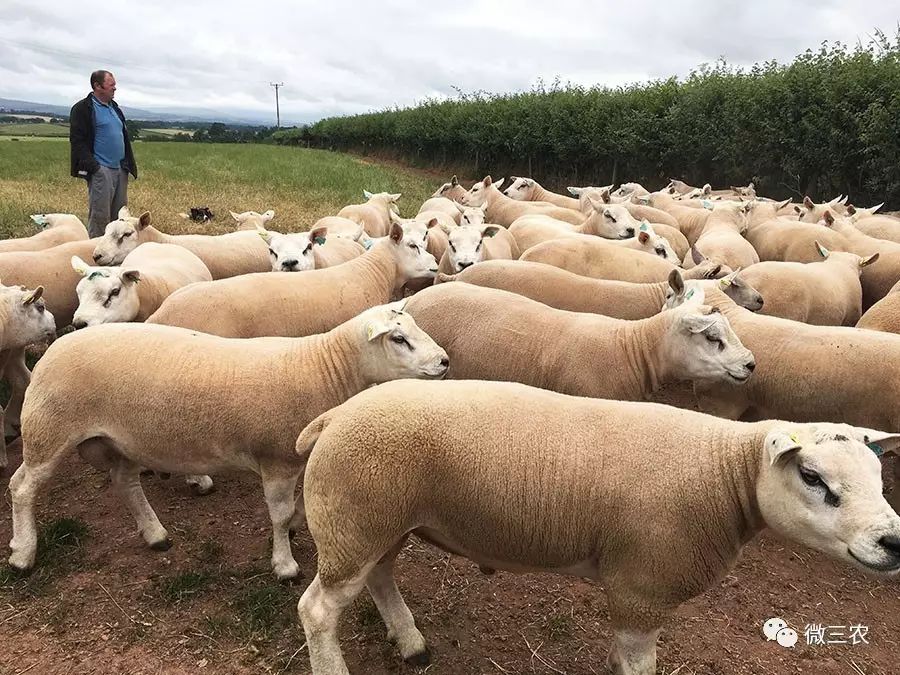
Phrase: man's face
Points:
(107, 90)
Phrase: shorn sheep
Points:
(654, 503)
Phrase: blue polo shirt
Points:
(109, 138)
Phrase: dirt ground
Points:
(100, 602)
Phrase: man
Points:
(101, 151)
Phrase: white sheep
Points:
(531, 229)
(171, 419)
(24, 320)
(529, 190)
(225, 255)
(313, 250)
(722, 237)
(452, 190)
(136, 289)
(340, 227)
(496, 335)
(375, 214)
(294, 304)
(434, 205)
(471, 244)
(251, 220)
(501, 210)
(574, 293)
(57, 228)
(884, 315)
(651, 502)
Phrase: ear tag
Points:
(707, 204)
(41, 220)
(689, 295)
(97, 273)
(370, 331)
(643, 227)
(793, 437)
(877, 449)
(724, 283)
(319, 240)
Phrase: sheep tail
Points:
(441, 278)
(306, 441)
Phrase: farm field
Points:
(101, 602)
(39, 129)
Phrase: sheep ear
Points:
(40, 220)
(131, 276)
(80, 266)
(676, 282)
(808, 203)
(868, 261)
(873, 209)
(431, 223)
(499, 183)
(395, 217)
(459, 207)
(728, 279)
(236, 216)
(575, 191)
(447, 228)
(34, 296)
(781, 205)
(489, 231)
(707, 190)
(368, 195)
(395, 197)
(317, 236)
(824, 252)
(454, 181)
(878, 442)
(696, 256)
(643, 237)
(143, 221)
(397, 306)
(605, 196)
(376, 329)
(487, 180)
(123, 213)
(699, 319)
(264, 233)
(851, 209)
(268, 215)
(396, 233)
(780, 442)
(829, 218)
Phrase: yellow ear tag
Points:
(793, 437)
(370, 331)
(724, 283)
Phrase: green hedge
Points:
(827, 123)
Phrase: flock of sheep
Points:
(554, 316)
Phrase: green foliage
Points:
(183, 585)
(59, 551)
(827, 123)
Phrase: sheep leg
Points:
(633, 652)
(18, 376)
(202, 485)
(396, 615)
(23, 488)
(126, 479)
(279, 492)
(320, 610)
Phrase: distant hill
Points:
(165, 115)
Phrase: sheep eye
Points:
(452, 247)
(811, 478)
(612, 218)
(272, 253)
(114, 292)
(40, 307)
(720, 343)
(661, 251)
(307, 249)
(414, 247)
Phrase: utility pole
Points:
(277, 109)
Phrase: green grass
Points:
(181, 586)
(59, 552)
(301, 185)
(39, 129)
(166, 132)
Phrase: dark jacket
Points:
(81, 139)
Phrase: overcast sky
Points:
(337, 57)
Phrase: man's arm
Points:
(79, 138)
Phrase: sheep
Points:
(652, 502)
(564, 290)
(496, 335)
(250, 220)
(442, 205)
(806, 373)
(810, 212)
(52, 269)
(375, 214)
(24, 320)
(311, 250)
(432, 230)
(91, 395)
(877, 226)
(721, 238)
(340, 227)
(884, 315)
(646, 212)
(136, 289)
(601, 259)
(529, 190)
(781, 239)
(303, 303)
(501, 210)
(58, 228)
(225, 255)
(826, 293)
(530, 230)
(452, 190)
(471, 244)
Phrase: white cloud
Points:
(340, 57)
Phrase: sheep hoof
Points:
(20, 571)
(162, 545)
(419, 659)
(201, 491)
(487, 570)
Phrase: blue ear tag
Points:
(96, 274)
(41, 220)
(643, 227)
(689, 294)
(877, 449)
(319, 240)
(707, 204)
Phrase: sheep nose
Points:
(445, 362)
(892, 543)
(751, 366)
(289, 264)
(630, 231)
(79, 323)
(464, 265)
(97, 257)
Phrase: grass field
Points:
(301, 185)
(40, 129)
(165, 132)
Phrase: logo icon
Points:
(772, 626)
(787, 637)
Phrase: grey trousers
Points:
(107, 193)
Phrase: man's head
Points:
(103, 84)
